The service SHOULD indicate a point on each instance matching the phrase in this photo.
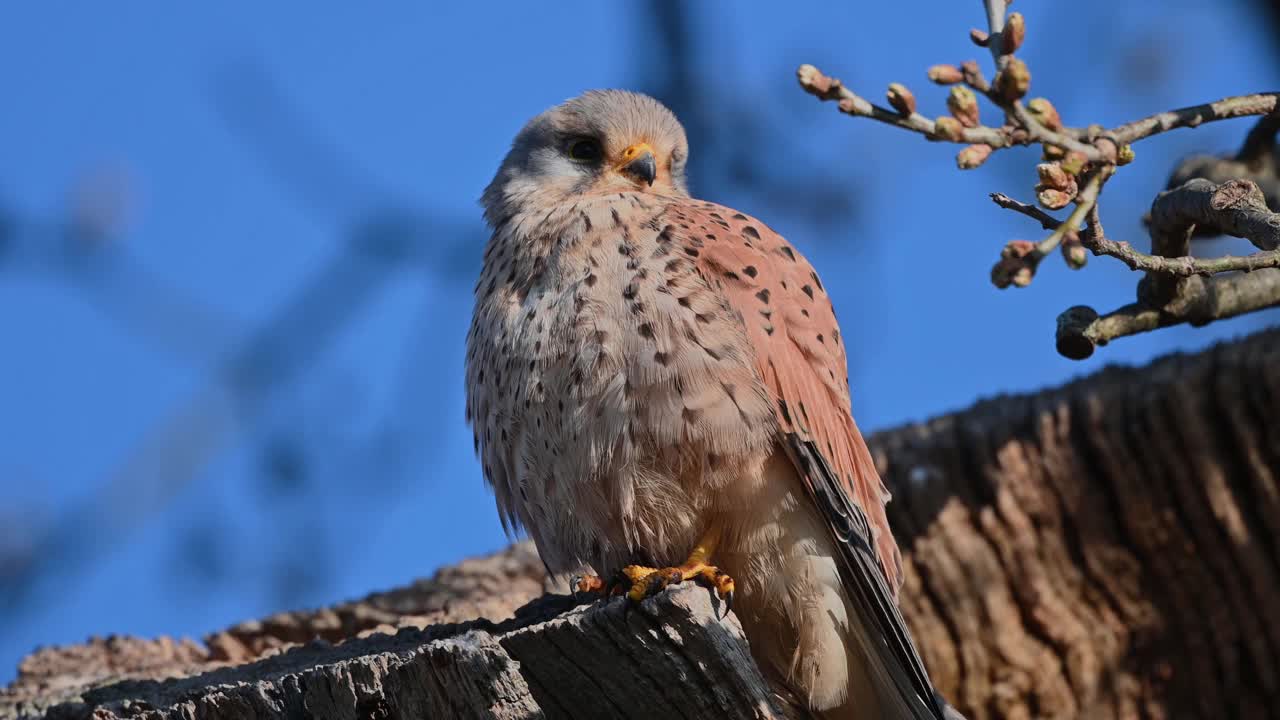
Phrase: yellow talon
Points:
(596, 585)
(589, 584)
(637, 573)
(647, 582)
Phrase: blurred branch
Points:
(1258, 160)
(117, 283)
(174, 454)
(256, 109)
(719, 124)
(1271, 11)
(245, 378)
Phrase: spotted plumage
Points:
(643, 366)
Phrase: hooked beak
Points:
(639, 164)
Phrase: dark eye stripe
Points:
(584, 150)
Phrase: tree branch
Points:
(1258, 160)
(1047, 221)
(1098, 243)
(1080, 161)
(1085, 203)
(1081, 330)
(1195, 116)
(1102, 149)
(1171, 295)
(825, 87)
(1233, 208)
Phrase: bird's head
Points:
(599, 142)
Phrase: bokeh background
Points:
(237, 245)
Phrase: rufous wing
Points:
(800, 353)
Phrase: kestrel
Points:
(656, 381)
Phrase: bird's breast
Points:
(628, 392)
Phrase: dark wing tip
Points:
(867, 585)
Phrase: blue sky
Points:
(249, 148)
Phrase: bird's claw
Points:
(586, 584)
(589, 584)
(647, 582)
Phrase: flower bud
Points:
(1124, 155)
(1045, 113)
(1052, 198)
(854, 105)
(1074, 162)
(979, 37)
(1017, 249)
(1014, 81)
(1017, 264)
(973, 156)
(1073, 253)
(816, 83)
(972, 74)
(901, 99)
(1052, 175)
(945, 74)
(963, 104)
(948, 128)
(1052, 153)
(1015, 31)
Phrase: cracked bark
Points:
(1107, 549)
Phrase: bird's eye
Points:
(585, 150)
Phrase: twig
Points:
(1081, 330)
(974, 78)
(1097, 242)
(1179, 266)
(1047, 221)
(1094, 223)
(823, 86)
(1084, 203)
(1040, 133)
(996, 12)
(1196, 115)
(1173, 290)
(1235, 208)
(1102, 149)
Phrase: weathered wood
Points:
(1108, 549)
(493, 587)
(673, 656)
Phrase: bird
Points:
(658, 389)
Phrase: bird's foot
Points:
(647, 582)
(641, 582)
(596, 585)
